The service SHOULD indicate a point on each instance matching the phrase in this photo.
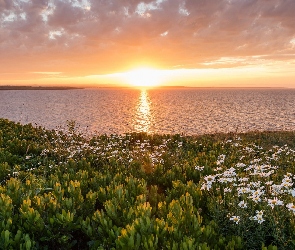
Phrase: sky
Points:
(198, 43)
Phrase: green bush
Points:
(139, 191)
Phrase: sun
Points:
(143, 77)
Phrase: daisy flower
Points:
(274, 202)
(235, 219)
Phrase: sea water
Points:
(189, 111)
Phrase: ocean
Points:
(189, 111)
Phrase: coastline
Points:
(36, 88)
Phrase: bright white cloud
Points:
(55, 33)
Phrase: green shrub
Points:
(139, 191)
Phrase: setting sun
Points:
(143, 77)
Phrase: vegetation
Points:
(137, 191)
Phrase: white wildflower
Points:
(274, 202)
(220, 159)
(292, 192)
(210, 178)
(258, 218)
(235, 219)
(243, 190)
(254, 198)
(242, 204)
(269, 183)
(291, 207)
(243, 179)
(199, 168)
(206, 186)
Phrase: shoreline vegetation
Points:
(139, 191)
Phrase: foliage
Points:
(138, 191)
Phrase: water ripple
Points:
(188, 111)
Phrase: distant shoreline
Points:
(35, 88)
(11, 87)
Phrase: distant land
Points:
(15, 87)
(35, 88)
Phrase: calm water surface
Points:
(183, 110)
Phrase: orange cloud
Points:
(90, 37)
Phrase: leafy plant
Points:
(139, 191)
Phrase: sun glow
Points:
(144, 77)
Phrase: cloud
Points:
(91, 37)
(5, 5)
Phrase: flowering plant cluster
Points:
(138, 191)
(252, 185)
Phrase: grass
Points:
(139, 191)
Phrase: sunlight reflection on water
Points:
(143, 117)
